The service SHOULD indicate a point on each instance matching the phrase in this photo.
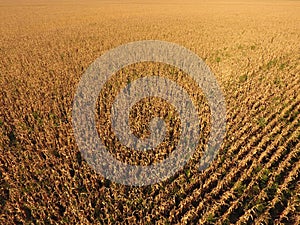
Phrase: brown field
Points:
(252, 47)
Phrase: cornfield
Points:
(252, 47)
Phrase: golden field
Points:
(253, 49)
